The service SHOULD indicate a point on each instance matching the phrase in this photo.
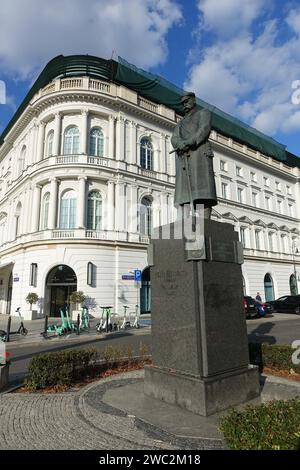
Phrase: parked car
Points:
(286, 304)
(250, 307)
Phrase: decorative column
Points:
(111, 137)
(81, 202)
(120, 138)
(172, 209)
(26, 210)
(132, 206)
(170, 158)
(31, 157)
(11, 222)
(52, 217)
(84, 132)
(36, 204)
(41, 141)
(57, 134)
(162, 142)
(110, 212)
(120, 211)
(133, 151)
(164, 208)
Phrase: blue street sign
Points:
(128, 277)
(137, 275)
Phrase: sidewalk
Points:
(36, 327)
(96, 418)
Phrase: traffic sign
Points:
(137, 275)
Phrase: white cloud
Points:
(33, 32)
(230, 17)
(250, 75)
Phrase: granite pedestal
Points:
(200, 346)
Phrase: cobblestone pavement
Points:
(72, 421)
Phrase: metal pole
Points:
(46, 325)
(8, 329)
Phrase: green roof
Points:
(156, 89)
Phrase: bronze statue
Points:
(195, 181)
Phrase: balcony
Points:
(77, 160)
(65, 235)
(99, 86)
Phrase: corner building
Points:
(86, 172)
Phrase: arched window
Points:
(269, 288)
(146, 154)
(146, 216)
(293, 285)
(94, 212)
(50, 139)
(71, 141)
(68, 205)
(18, 219)
(21, 161)
(96, 142)
(45, 211)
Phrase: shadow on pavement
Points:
(260, 334)
(61, 346)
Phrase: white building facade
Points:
(86, 172)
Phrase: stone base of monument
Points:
(199, 336)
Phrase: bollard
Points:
(106, 326)
(8, 329)
(45, 325)
(78, 324)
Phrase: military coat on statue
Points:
(193, 130)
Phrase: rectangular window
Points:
(278, 186)
(243, 236)
(239, 171)
(291, 210)
(253, 176)
(223, 165)
(224, 188)
(268, 203)
(284, 244)
(289, 190)
(33, 274)
(90, 274)
(254, 199)
(266, 181)
(240, 195)
(271, 245)
(279, 206)
(257, 239)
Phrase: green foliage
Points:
(68, 367)
(270, 426)
(32, 298)
(59, 368)
(77, 297)
(274, 356)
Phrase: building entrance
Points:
(61, 282)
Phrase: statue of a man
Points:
(195, 181)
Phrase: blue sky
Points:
(239, 55)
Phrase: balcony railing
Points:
(72, 159)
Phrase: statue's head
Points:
(188, 101)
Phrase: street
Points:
(277, 329)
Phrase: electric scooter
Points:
(20, 331)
